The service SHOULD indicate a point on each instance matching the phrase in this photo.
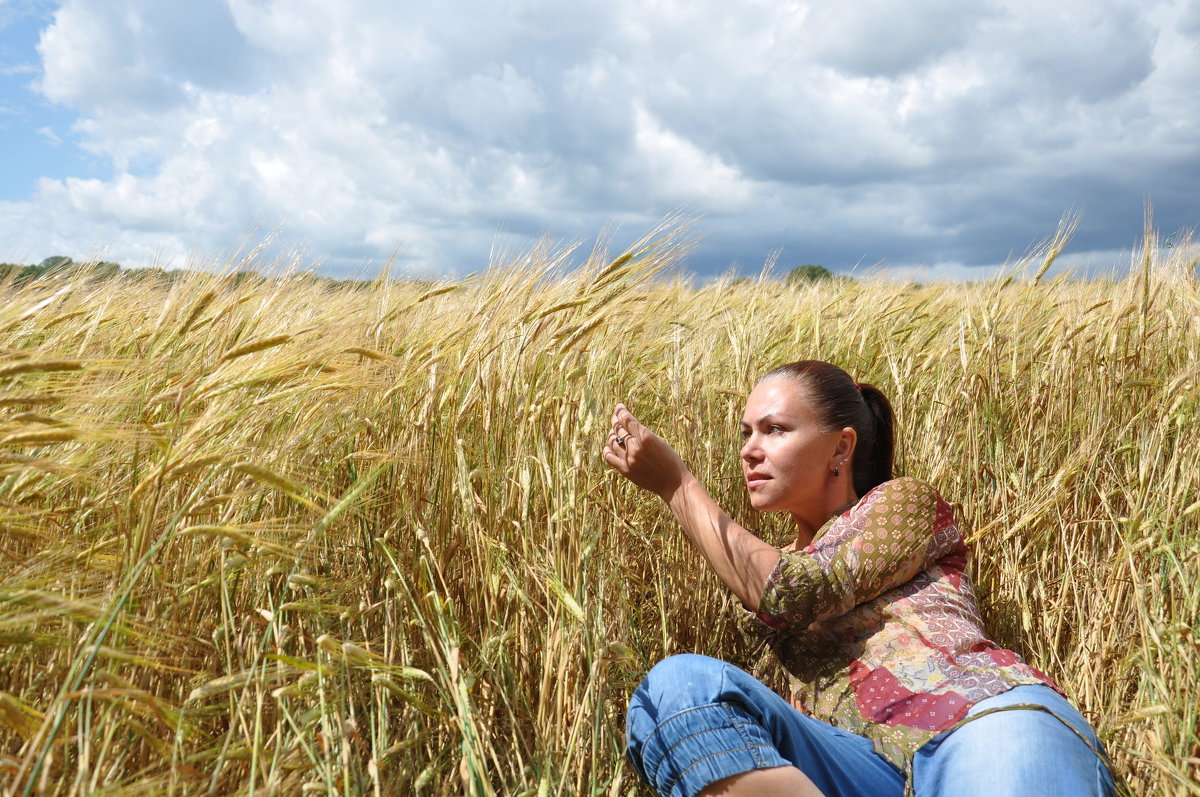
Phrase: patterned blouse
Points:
(876, 623)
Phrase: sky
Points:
(932, 138)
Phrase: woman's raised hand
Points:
(740, 559)
(642, 456)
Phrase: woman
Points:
(894, 686)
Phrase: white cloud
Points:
(497, 104)
(876, 39)
(934, 132)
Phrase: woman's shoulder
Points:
(907, 499)
(903, 487)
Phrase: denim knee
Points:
(695, 720)
(680, 682)
(1018, 752)
(683, 731)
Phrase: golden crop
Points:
(275, 536)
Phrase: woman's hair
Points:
(838, 401)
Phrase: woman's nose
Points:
(749, 450)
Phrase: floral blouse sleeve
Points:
(898, 529)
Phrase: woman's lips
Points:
(755, 479)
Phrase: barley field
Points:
(278, 536)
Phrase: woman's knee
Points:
(686, 668)
(1022, 751)
(677, 683)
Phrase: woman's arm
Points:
(739, 558)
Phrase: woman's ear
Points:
(846, 442)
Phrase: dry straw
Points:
(276, 536)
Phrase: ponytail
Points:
(838, 401)
(874, 458)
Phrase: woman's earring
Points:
(837, 469)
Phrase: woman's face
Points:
(787, 459)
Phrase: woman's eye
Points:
(774, 428)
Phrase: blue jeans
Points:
(696, 720)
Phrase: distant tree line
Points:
(14, 273)
(61, 265)
(806, 274)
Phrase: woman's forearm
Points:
(739, 558)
